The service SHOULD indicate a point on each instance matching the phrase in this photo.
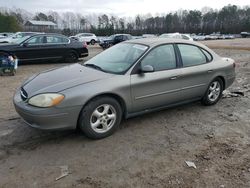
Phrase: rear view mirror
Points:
(147, 68)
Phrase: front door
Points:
(31, 50)
(158, 88)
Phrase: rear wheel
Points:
(92, 42)
(213, 93)
(100, 117)
(72, 57)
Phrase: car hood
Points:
(8, 46)
(56, 80)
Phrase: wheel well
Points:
(223, 81)
(74, 51)
(114, 96)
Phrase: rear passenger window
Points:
(56, 40)
(209, 56)
(191, 55)
(161, 58)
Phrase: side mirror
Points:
(25, 44)
(147, 68)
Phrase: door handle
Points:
(174, 78)
(209, 71)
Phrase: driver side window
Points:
(36, 40)
(161, 58)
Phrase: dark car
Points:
(40, 47)
(114, 39)
(245, 34)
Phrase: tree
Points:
(8, 24)
(41, 17)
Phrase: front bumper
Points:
(47, 118)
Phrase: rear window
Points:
(191, 55)
(208, 55)
(56, 39)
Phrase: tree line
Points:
(229, 19)
(8, 23)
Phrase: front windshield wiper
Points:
(94, 66)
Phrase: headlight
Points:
(46, 100)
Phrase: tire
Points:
(72, 57)
(100, 117)
(213, 93)
(92, 42)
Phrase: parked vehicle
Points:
(16, 36)
(176, 36)
(6, 34)
(90, 38)
(148, 36)
(199, 37)
(128, 79)
(114, 39)
(245, 34)
(229, 36)
(41, 47)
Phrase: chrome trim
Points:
(24, 95)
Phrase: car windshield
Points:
(19, 40)
(117, 59)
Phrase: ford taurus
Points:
(129, 79)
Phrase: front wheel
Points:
(100, 117)
(213, 93)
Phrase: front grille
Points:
(24, 94)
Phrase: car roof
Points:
(48, 34)
(158, 41)
(153, 42)
(121, 34)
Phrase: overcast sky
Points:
(118, 7)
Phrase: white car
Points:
(176, 36)
(90, 38)
(16, 36)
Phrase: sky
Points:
(117, 7)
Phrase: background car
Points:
(41, 47)
(148, 36)
(176, 36)
(90, 38)
(16, 36)
(6, 34)
(245, 34)
(114, 39)
(128, 79)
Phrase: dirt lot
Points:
(147, 151)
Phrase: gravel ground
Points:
(147, 151)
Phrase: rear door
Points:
(158, 88)
(56, 46)
(196, 71)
